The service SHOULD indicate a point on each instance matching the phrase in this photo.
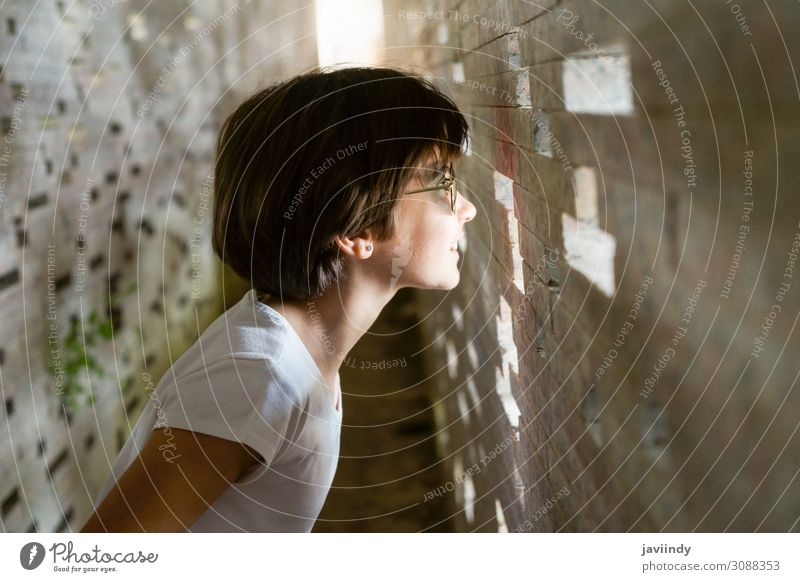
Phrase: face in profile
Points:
(424, 251)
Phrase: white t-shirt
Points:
(250, 378)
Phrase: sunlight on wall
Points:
(452, 359)
(504, 194)
(349, 31)
(464, 489)
(589, 249)
(509, 363)
(599, 82)
(501, 518)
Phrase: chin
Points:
(455, 281)
(443, 279)
(447, 285)
(436, 285)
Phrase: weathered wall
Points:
(619, 354)
(109, 112)
(620, 156)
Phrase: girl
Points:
(333, 190)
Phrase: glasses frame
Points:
(449, 184)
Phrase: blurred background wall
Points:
(110, 112)
(618, 355)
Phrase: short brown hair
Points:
(322, 154)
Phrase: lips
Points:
(455, 243)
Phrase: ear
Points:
(358, 247)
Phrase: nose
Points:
(465, 210)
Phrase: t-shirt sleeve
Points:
(232, 398)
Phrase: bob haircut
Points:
(326, 153)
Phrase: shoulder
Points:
(246, 349)
(231, 389)
(243, 332)
(249, 329)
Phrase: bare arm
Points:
(156, 495)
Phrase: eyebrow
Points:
(437, 168)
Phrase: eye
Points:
(438, 179)
(446, 190)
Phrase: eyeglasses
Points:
(449, 184)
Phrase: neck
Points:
(331, 324)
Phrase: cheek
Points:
(421, 245)
(429, 232)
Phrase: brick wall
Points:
(619, 353)
(109, 111)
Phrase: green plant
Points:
(78, 362)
